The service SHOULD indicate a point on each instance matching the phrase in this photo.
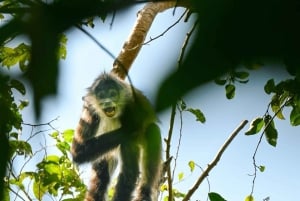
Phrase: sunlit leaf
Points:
(163, 187)
(192, 165)
(178, 194)
(52, 158)
(269, 86)
(198, 113)
(62, 52)
(68, 135)
(39, 190)
(180, 176)
(276, 107)
(215, 197)
(23, 104)
(230, 91)
(249, 198)
(55, 134)
(12, 56)
(255, 126)
(262, 168)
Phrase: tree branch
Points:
(137, 37)
(214, 161)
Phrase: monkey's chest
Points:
(107, 125)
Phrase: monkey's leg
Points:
(100, 179)
(102, 170)
(151, 165)
(129, 172)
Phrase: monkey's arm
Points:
(85, 151)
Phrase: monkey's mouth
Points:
(110, 111)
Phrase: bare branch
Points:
(137, 37)
(186, 42)
(168, 150)
(214, 161)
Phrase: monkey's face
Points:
(109, 101)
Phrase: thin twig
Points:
(179, 143)
(186, 42)
(168, 151)
(109, 53)
(214, 161)
(260, 140)
(42, 124)
(208, 183)
(167, 29)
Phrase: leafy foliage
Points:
(196, 112)
(55, 175)
(232, 77)
(19, 55)
(285, 94)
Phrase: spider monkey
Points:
(118, 123)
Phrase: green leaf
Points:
(52, 158)
(180, 176)
(23, 104)
(192, 165)
(219, 81)
(14, 135)
(11, 56)
(178, 194)
(249, 198)
(164, 187)
(295, 116)
(199, 115)
(269, 86)
(54, 135)
(39, 190)
(261, 168)
(230, 91)
(215, 197)
(62, 52)
(20, 147)
(276, 107)
(241, 75)
(18, 86)
(255, 126)
(270, 131)
(68, 135)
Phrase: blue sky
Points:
(200, 142)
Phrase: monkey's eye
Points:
(113, 93)
(101, 94)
